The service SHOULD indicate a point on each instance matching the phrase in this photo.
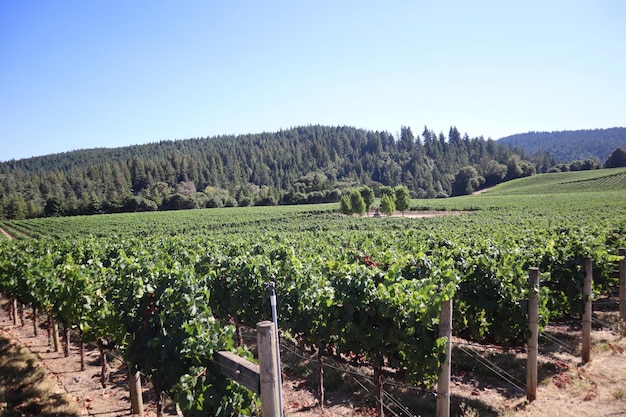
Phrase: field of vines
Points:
(171, 288)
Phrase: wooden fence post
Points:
(239, 370)
(261, 378)
(622, 284)
(587, 299)
(533, 340)
(268, 367)
(443, 384)
(134, 385)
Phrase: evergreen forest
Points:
(308, 164)
(570, 145)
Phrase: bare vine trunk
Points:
(160, 403)
(103, 346)
(13, 311)
(66, 340)
(82, 352)
(320, 376)
(49, 330)
(239, 335)
(22, 318)
(35, 321)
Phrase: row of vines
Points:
(369, 295)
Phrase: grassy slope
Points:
(565, 182)
(559, 192)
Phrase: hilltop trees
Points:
(567, 146)
(617, 159)
(311, 164)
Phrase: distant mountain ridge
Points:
(571, 145)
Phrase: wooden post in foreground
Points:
(622, 284)
(134, 385)
(268, 367)
(443, 385)
(533, 340)
(261, 378)
(587, 299)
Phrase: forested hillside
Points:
(309, 164)
(568, 146)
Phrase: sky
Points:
(87, 74)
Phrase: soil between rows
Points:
(567, 388)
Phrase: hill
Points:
(572, 145)
(310, 164)
(565, 183)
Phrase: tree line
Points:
(570, 145)
(308, 164)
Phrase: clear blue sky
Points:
(84, 74)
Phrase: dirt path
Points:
(6, 234)
(81, 388)
(567, 388)
(421, 214)
(84, 391)
(597, 388)
(25, 388)
(484, 190)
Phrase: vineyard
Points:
(170, 289)
(595, 180)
